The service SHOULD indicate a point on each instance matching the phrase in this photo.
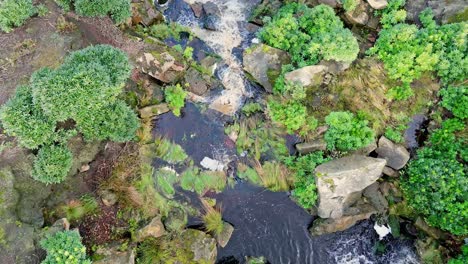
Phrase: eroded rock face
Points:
(199, 83)
(307, 76)
(161, 66)
(396, 155)
(211, 13)
(341, 181)
(263, 63)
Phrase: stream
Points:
(266, 223)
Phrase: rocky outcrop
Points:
(200, 244)
(375, 197)
(396, 156)
(161, 66)
(332, 3)
(307, 76)
(264, 63)
(144, 13)
(154, 229)
(309, 147)
(341, 181)
(364, 151)
(176, 220)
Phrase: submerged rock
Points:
(307, 76)
(264, 63)
(396, 155)
(341, 181)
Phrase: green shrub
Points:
(120, 10)
(52, 164)
(26, 121)
(455, 99)
(350, 5)
(398, 93)
(462, 258)
(76, 209)
(305, 190)
(13, 13)
(347, 132)
(292, 115)
(437, 189)
(64, 4)
(395, 134)
(251, 108)
(310, 34)
(175, 98)
(64, 247)
(42, 10)
(393, 13)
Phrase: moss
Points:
(459, 17)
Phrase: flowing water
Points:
(266, 223)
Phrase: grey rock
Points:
(154, 229)
(360, 15)
(378, 4)
(212, 16)
(145, 13)
(365, 150)
(340, 182)
(198, 83)
(309, 147)
(444, 11)
(225, 235)
(391, 172)
(162, 66)
(202, 245)
(431, 231)
(264, 63)
(332, 3)
(109, 198)
(197, 9)
(176, 220)
(112, 255)
(375, 197)
(335, 66)
(153, 110)
(307, 76)
(396, 155)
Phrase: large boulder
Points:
(161, 66)
(444, 11)
(264, 63)
(397, 156)
(341, 181)
(307, 76)
(373, 194)
(144, 12)
(153, 110)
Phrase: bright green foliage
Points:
(273, 176)
(13, 13)
(119, 10)
(52, 164)
(393, 13)
(64, 247)
(402, 92)
(192, 179)
(75, 210)
(213, 220)
(249, 174)
(347, 132)
(251, 108)
(165, 180)
(42, 10)
(26, 121)
(292, 115)
(462, 258)
(169, 151)
(163, 31)
(175, 98)
(455, 99)
(310, 34)
(350, 5)
(64, 4)
(437, 188)
(305, 191)
(395, 133)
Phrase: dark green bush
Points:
(347, 132)
(120, 10)
(52, 164)
(455, 99)
(13, 13)
(310, 34)
(64, 247)
(26, 121)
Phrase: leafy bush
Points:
(26, 121)
(305, 190)
(175, 98)
(395, 134)
(393, 13)
(64, 4)
(13, 13)
(64, 247)
(251, 108)
(119, 10)
(292, 115)
(350, 5)
(76, 209)
(52, 164)
(462, 258)
(310, 34)
(347, 132)
(455, 99)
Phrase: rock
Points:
(375, 197)
(391, 172)
(397, 156)
(83, 153)
(225, 235)
(212, 16)
(321, 130)
(430, 251)
(109, 198)
(209, 63)
(197, 9)
(211, 164)
(153, 110)
(264, 63)
(359, 16)
(161, 66)
(340, 182)
(84, 168)
(378, 4)
(154, 229)
(431, 231)
(444, 11)
(145, 13)
(309, 147)
(307, 76)
(202, 245)
(335, 66)
(198, 83)
(330, 225)
(113, 255)
(176, 220)
(365, 151)
(332, 3)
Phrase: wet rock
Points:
(211, 164)
(198, 83)
(59, 225)
(202, 245)
(113, 255)
(365, 150)
(391, 172)
(335, 66)
(378, 4)
(153, 110)
(360, 15)
(340, 182)
(307, 76)
(397, 156)
(197, 9)
(161, 66)
(332, 3)
(211, 14)
(209, 63)
(309, 147)
(225, 235)
(144, 12)
(154, 229)
(431, 231)
(264, 63)
(109, 198)
(375, 197)
(330, 225)
(176, 220)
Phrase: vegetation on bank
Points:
(14, 13)
(119, 10)
(64, 247)
(79, 96)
